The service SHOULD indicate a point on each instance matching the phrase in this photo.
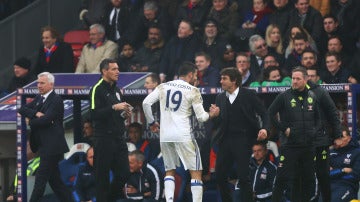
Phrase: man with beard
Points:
(308, 59)
(178, 99)
(148, 56)
(181, 47)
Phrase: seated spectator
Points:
(149, 55)
(193, 10)
(85, 184)
(135, 135)
(272, 77)
(151, 14)
(273, 39)
(259, 50)
(22, 75)
(280, 15)
(301, 43)
(207, 75)
(144, 182)
(313, 75)
(115, 20)
(306, 16)
(32, 166)
(54, 56)
(346, 11)
(308, 59)
(227, 17)
(243, 65)
(334, 72)
(334, 44)
(290, 40)
(330, 25)
(228, 59)
(262, 172)
(257, 18)
(126, 59)
(181, 47)
(97, 50)
(270, 60)
(151, 81)
(213, 44)
(345, 167)
(88, 132)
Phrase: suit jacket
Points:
(122, 20)
(61, 61)
(47, 132)
(251, 106)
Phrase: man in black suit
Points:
(45, 116)
(115, 19)
(237, 130)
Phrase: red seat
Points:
(77, 39)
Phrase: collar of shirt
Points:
(259, 60)
(246, 77)
(233, 95)
(46, 95)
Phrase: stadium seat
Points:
(69, 166)
(77, 39)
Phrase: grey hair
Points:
(48, 75)
(98, 27)
(252, 40)
(151, 5)
(139, 156)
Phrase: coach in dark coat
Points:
(237, 130)
(45, 116)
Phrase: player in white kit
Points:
(178, 99)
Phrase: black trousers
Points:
(110, 154)
(232, 150)
(48, 171)
(293, 159)
(323, 172)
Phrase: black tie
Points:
(41, 102)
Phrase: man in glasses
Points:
(259, 50)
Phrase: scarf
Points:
(189, 11)
(258, 15)
(98, 44)
(49, 52)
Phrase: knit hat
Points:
(23, 63)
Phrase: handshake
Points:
(214, 111)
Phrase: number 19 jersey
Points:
(177, 100)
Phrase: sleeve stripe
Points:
(93, 93)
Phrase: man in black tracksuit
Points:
(299, 115)
(324, 138)
(108, 112)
